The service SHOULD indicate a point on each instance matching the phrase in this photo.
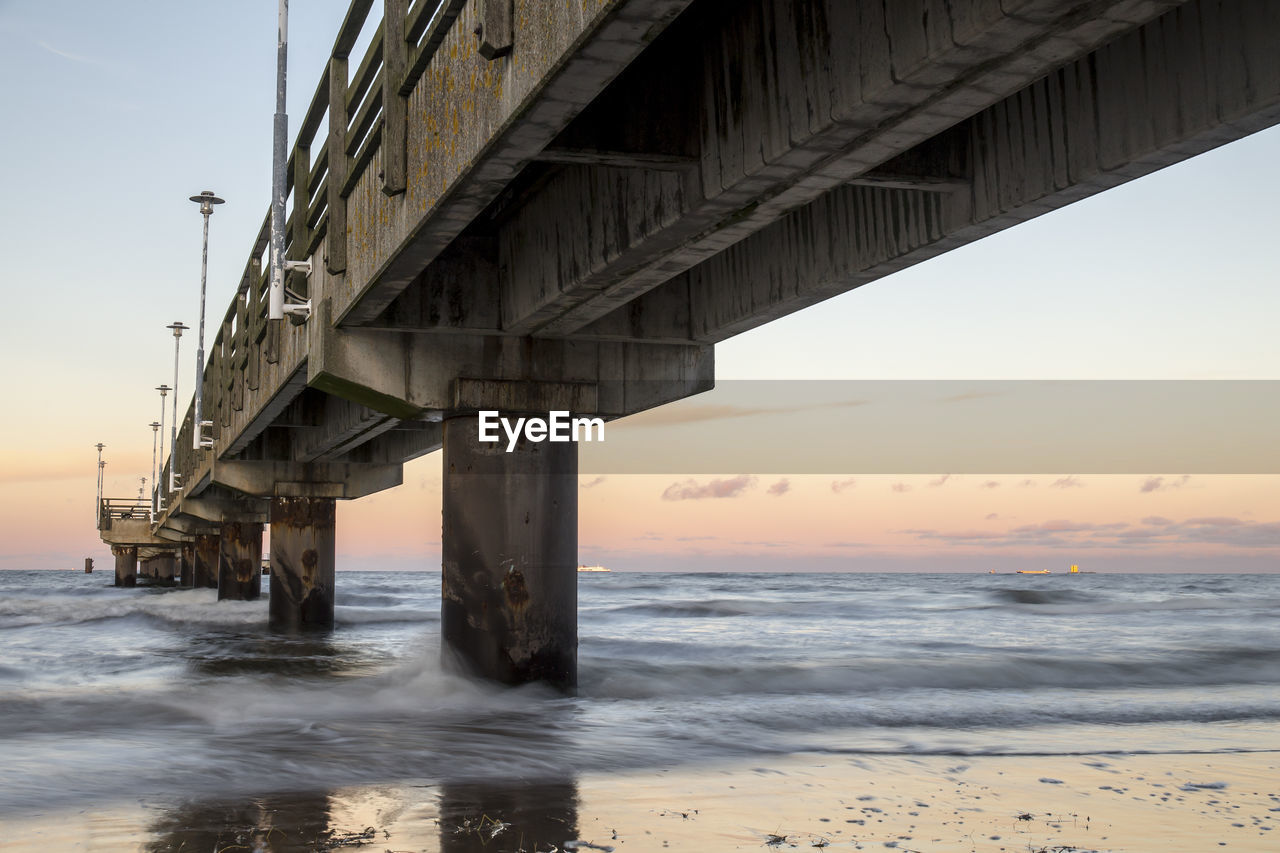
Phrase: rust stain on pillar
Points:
(240, 561)
(510, 550)
(303, 543)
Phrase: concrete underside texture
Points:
(303, 545)
(126, 564)
(240, 561)
(205, 566)
(510, 551)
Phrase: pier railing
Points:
(359, 114)
(121, 508)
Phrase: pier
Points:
(529, 207)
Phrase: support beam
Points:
(510, 549)
(302, 563)
(206, 561)
(240, 561)
(187, 564)
(1072, 133)
(126, 564)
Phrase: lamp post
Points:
(276, 307)
(155, 495)
(177, 328)
(97, 511)
(164, 391)
(206, 200)
(141, 488)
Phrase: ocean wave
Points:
(633, 679)
(183, 608)
(350, 615)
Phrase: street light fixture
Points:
(206, 200)
(164, 391)
(155, 495)
(97, 512)
(177, 328)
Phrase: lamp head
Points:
(163, 389)
(177, 327)
(206, 200)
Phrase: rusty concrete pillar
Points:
(240, 561)
(205, 567)
(302, 563)
(510, 554)
(88, 565)
(187, 564)
(126, 564)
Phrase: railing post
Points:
(300, 233)
(395, 61)
(226, 374)
(338, 162)
(495, 28)
(242, 351)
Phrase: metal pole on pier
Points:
(206, 200)
(177, 328)
(155, 492)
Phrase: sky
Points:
(116, 113)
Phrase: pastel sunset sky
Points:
(121, 113)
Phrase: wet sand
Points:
(1169, 803)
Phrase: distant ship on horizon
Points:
(1074, 570)
(593, 569)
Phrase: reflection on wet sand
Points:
(296, 823)
(487, 818)
(472, 817)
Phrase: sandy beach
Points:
(1185, 803)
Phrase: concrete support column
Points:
(302, 563)
(510, 554)
(206, 561)
(126, 564)
(187, 565)
(240, 561)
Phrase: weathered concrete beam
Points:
(129, 531)
(1159, 95)
(303, 546)
(503, 112)
(407, 376)
(838, 88)
(510, 553)
(218, 505)
(240, 561)
(274, 479)
(617, 159)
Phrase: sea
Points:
(169, 696)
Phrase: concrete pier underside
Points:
(510, 549)
(303, 542)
